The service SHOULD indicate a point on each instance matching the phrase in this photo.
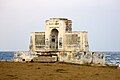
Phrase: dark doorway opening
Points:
(54, 39)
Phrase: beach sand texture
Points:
(55, 71)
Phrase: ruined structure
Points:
(60, 43)
(59, 37)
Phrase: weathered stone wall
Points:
(90, 58)
(62, 25)
(96, 58)
(76, 41)
(22, 56)
(58, 36)
(45, 59)
(37, 41)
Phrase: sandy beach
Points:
(55, 71)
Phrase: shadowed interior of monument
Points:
(54, 39)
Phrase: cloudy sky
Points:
(101, 18)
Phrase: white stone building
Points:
(60, 43)
(59, 37)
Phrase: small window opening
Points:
(53, 40)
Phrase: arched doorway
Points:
(54, 39)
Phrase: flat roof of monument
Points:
(78, 32)
(58, 18)
(37, 32)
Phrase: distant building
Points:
(58, 36)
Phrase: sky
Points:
(101, 18)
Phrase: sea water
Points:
(6, 55)
(112, 57)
